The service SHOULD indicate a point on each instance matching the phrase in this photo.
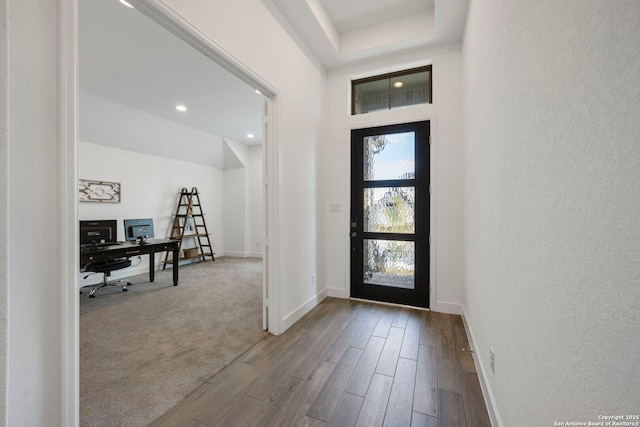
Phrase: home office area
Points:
(174, 327)
(153, 132)
(102, 253)
(170, 211)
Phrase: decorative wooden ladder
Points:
(189, 223)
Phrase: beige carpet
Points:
(143, 351)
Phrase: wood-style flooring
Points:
(346, 363)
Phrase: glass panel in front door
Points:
(389, 263)
(389, 157)
(389, 210)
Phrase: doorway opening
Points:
(269, 179)
(389, 222)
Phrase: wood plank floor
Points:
(346, 363)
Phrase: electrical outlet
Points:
(492, 359)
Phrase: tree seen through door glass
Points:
(389, 210)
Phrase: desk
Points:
(129, 249)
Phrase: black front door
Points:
(390, 213)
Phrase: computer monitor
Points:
(138, 229)
(98, 231)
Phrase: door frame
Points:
(67, 181)
(419, 295)
(395, 117)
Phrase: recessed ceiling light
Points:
(250, 135)
(258, 92)
(181, 108)
(398, 85)
(126, 4)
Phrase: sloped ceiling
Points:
(127, 59)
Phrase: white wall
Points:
(150, 188)
(4, 223)
(255, 203)
(445, 114)
(249, 33)
(234, 211)
(244, 202)
(34, 348)
(552, 167)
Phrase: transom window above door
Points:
(392, 90)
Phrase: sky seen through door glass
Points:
(390, 156)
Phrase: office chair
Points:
(106, 267)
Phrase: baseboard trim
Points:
(337, 293)
(254, 255)
(447, 307)
(303, 309)
(233, 254)
(492, 408)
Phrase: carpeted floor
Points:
(143, 351)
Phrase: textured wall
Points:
(34, 314)
(4, 193)
(552, 204)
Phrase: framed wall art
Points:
(98, 191)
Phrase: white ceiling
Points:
(357, 15)
(127, 59)
(341, 33)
